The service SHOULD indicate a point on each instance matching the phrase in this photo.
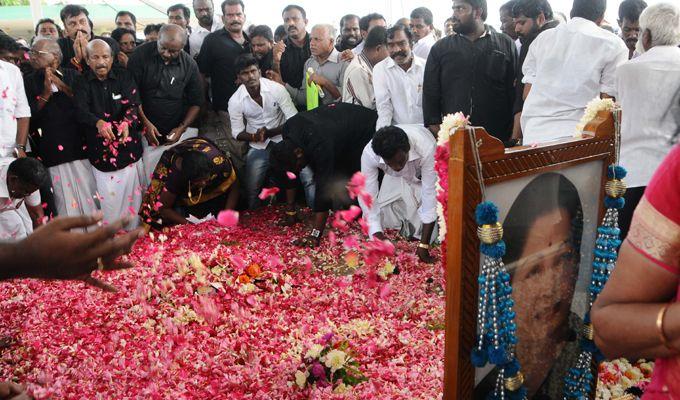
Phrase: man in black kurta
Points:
(171, 92)
(107, 103)
(58, 137)
(472, 72)
(330, 140)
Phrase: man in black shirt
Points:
(171, 91)
(107, 102)
(472, 72)
(290, 55)
(59, 138)
(531, 17)
(216, 61)
(330, 140)
(261, 44)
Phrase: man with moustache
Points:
(472, 72)
(531, 18)
(216, 61)
(46, 28)
(59, 137)
(78, 32)
(258, 110)
(107, 103)
(208, 22)
(350, 34)
(398, 81)
(262, 46)
(291, 54)
(171, 92)
(180, 15)
(629, 15)
(327, 66)
(423, 31)
(366, 23)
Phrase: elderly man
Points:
(208, 22)
(357, 87)
(423, 31)
(324, 67)
(405, 152)
(20, 209)
(171, 92)
(648, 88)
(216, 61)
(567, 67)
(107, 102)
(258, 110)
(14, 120)
(398, 81)
(59, 136)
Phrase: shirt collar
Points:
(362, 56)
(417, 61)
(91, 76)
(334, 57)
(216, 25)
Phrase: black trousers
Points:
(632, 197)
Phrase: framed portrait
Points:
(550, 202)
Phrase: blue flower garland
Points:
(579, 379)
(496, 326)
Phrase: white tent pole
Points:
(36, 11)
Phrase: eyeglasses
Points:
(36, 53)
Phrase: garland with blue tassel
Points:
(579, 379)
(496, 326)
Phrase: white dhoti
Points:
(398, 202)
(120, 193)
(153, 154)
(74, 188)
(15, 224)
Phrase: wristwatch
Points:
(315, 233)
(20, 146)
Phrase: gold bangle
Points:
(659, 328)
(423, 246)
(291, 213)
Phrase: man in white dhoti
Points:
(14, 112)
(107, 101)
(406, 152)
(60, 138)
(20, 208)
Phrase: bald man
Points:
(326, 64)
(171, 92)
(107, 102)
(60, 138)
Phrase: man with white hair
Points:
(326, 64)
(60, 137)
(107, 102)
(648, 89)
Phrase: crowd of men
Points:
(93, 123)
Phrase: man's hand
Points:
(56, 80)
(347, 55)
(274, 76)
(123, 59)
(319, 80)
(123, 131)
(20, 153)
(434, 129)
(279, 48)
(105, 130)
(151, 133)
(175, 134)
(424, 255)
(80, 46)
(54, 252)
(13, 391)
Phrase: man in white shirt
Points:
(565, 68)
(207, 22)
(366, 23)
(405, 152)
(20, 208)
(265, 106)
(398, 81)
(648, 88)
(357, 87)
(423, 32)
(14, 112)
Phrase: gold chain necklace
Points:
(191, 200)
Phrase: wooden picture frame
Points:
(462, 245)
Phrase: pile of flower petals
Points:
(181, 326)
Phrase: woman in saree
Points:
(637, 315)
(193, 178)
